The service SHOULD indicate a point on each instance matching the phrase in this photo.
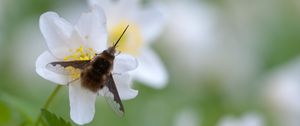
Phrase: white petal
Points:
(92, 28)
(151, 70)
(56, 31)
(151, 21)
(123, 83)
(44, 59)
(82, 103)
(124, 63)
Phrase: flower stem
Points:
(48, 102)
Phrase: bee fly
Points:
(96, 74)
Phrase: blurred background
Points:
(230, 63)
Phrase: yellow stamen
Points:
(74, 73)
(132, 40)
(79, 54)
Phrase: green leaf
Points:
(52, 120)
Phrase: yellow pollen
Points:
(74, 73)
(132, 40)
(80, 53)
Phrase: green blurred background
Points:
(220, 61)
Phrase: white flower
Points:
(282, 93)
(203, 49)
(80, 42)
(187, 117)
(249, 119)
(145, 26)
(191, 31)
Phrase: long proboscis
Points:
(116, 43)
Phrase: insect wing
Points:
(61, 67)
(111, 95)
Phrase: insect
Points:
(96, 74)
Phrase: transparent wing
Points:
(111, 95)
(67, 67)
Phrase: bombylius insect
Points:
(96, 74)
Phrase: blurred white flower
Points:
(204, 45)
(145, 25)
(249, 119)
(80, 42)
(191, 34)
(187, 117)
(282, 93)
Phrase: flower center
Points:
(132, 40)
(81, 54)
(78, 54)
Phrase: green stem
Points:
(48, 102)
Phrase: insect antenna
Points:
(121, 36)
